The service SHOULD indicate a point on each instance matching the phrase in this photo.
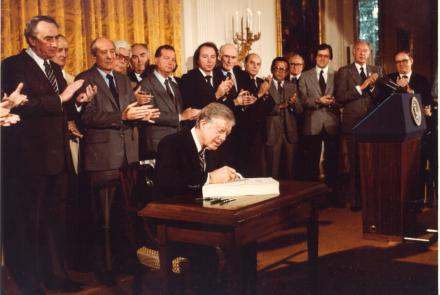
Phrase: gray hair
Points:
(216, 110)
(122, 44)
(29, 31)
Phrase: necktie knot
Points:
(208, 78)
(112, 87)
(362, 74)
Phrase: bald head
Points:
(228, 56)
(103, 50)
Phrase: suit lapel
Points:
(274, 93)
(121, 88)
(102, 85)
(330, 78)
(158, 88)
(34, 68)
(355, 74)
(315, 81)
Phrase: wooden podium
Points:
(389, 163)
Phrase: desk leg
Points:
(165, 261)
(313, 235)
(234, 267)
(251, 268)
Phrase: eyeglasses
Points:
(295, 64)
(123, 57)
(402, 61)
(279, 69)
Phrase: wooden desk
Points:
(232, 228)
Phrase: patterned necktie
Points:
(322, 83)
(295, 80)
(208, 80)
(362, 74)
(233, 91)
(51, 76)
(112, 86)
(254, 86)
(202, 161)
(169, 92)
(280, 89)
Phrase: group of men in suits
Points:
(146, 113)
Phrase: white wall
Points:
(211, 20)
(339, 29)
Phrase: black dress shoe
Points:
(63, 285)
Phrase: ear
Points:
(32, 41)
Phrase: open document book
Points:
(242, 187)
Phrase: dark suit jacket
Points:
(317, 116)
(177, 169)
(196, 93)
(355, 105)
(38, 144)
(282, 121)
(108, 142)
(419, 84)
(151, 134)
(132, 76)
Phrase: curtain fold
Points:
(154, 22)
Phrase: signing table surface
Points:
(232, 226)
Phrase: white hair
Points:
(122, 44)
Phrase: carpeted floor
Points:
(348, 264)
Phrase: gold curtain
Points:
(154, 22)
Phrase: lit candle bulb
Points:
(259, 21)
(236, 21)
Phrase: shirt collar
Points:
(225, 73)
(318, 70)
(36, 58)
(138, 76)
(358, 67)
(205, 74)
(279, 83)
(196, 140)
(408, 75)
(293, 76)
(160, 77)
(104, 75)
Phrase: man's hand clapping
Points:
(87, 95)
(189, 114)
(14, 99)
(70, 90)
(224, 88)
(144, 113)
(370, 81)
(244, 98)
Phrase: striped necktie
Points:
(202, 160)
(51, 76)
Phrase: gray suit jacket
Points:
(318, 116)
(108, 142)
(281, 121)
(355, 105)
(167, 123)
